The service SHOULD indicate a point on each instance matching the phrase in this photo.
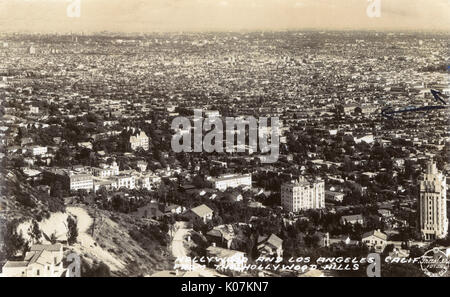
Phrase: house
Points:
(270, 246)
(352, 219)
(200, 213)
(43, 260)
(221, 236)
(334, 196)
(375, 239)
(215, 236)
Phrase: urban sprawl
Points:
(87, 165)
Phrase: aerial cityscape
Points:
(239, 153)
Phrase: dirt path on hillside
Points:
(57, 224)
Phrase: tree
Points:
(53, 238)
(34, 232)
(12, 240)
(72, 230)
(199, 182)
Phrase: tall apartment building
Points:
(224, 182)
(139, 141)
(433, 204)
(302, 195)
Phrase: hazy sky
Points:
(194, 15)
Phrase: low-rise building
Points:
(375, 239)
(41, 261)
(200, 213)
(232, 181)
(352, 219)
(270, 246)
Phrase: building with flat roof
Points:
(224, 182)
(71, 180)
(105, 170)
(302, 195)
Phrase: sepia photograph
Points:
(224, 146)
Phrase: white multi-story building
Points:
(81, 182)
(302, 194)
(106, 170)
(147, 181)
(123, 181)
(433, 204)
(232, 181)
(139, 141)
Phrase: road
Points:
(179, 252)
(178, 248)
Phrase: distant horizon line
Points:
(112, 32)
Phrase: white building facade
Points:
(106, 171)
(81, 182)
(433, 204)
(303, 195)
(232, 181)
(139, 141)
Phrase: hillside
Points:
(127, 245)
